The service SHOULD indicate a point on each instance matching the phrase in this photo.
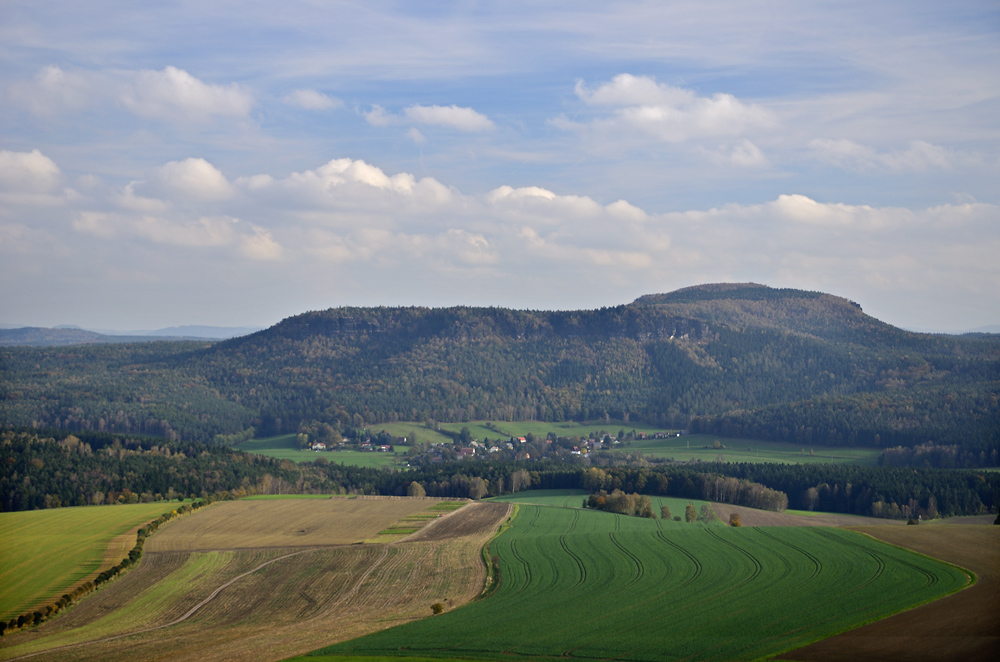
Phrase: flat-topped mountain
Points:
(736, 359)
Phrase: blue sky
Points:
(233, 163)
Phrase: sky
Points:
(235, 163)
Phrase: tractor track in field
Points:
(176, 621)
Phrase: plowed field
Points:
(275, 601)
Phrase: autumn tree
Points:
(665, 512)
(690, 514)
(416, 490)
(734, 520)
(708, 513)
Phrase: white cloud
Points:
(312, 100)
(641, 106)
(195, 178)
(416, 136)
(54, 90)
(463, 119)
(466, 120)
(850, 155)
(28, 172)
(175, 95)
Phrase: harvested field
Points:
(305, 598)
(284, 523)
(754, 517)
(964, 626)
(472, 520)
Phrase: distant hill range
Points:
(741, 360)
(72, 335)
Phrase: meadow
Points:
(702, 447)
(595, 585)
(574, 499)
(284, 447)
(45, 553)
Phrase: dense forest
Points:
(98, 468)
(736, 360)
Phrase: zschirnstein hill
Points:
(735, 359)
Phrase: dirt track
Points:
(964, 626)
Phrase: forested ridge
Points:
(734, 359)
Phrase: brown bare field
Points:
(963, 626)
(284, 523)
(279, 601)
(754, 517)
(472, 520)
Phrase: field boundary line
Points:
(183, 618)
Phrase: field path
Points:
(191, 612)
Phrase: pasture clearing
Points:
(964, 626)
(702, 447)
(305, 597)
(45, 553)
(599, 586)
(285, 447)
(574, 499)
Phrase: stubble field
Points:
(258, 594)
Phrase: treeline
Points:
(891, 492)
(52, 472)
(94, 469)
(938, 456)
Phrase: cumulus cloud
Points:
(640, 105)
(312, 100)
(195, 178)
(28, 172)
(173, 94)
(206, 232)
(54, 90)
(462, 119)
(850, 155)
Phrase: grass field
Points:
(272, 580)
(693, 446)
(284, 447)
(44, 553)
(574, 499)
(593, 585)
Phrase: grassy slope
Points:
(595, 585)
(45, 552)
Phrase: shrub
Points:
(437, 607)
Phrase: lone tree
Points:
(665, 512)
(690, 514)
(734, 520)
(437, 607)
(416, 490)
(708, 513)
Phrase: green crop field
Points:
(574, 499)
(594, 585)
(702, 447)
(285, 447)
(44, 553)
(540, 428)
